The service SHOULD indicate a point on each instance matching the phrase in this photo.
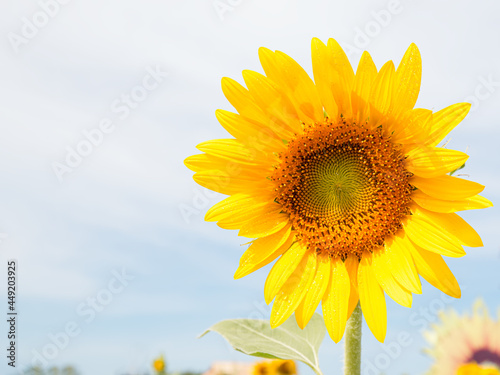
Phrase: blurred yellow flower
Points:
(475, 369)
(284, 367)
(262, 368)
(463, 344)
(159, 364)
(275, 367)
(342, 180)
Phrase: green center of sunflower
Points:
(345, 188)
(334, 184)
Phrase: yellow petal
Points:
(407, 81)
(433, 162)
(452, 224)
(342, 77)
(201, 162)
(351, 265)
(399, 261)
(264, 250)
(381, 94)
(425, 234)
(414, 126)
(365, 75)
(294, 80)
(282, 270)
(242, 218)
(249, 132)
(445, 120)
(433, 268)
(293, 291)
(264, 225)
(204, 162)
(372, 298)
(387, 281)
(273, 102)
(308, 306)
(236, 205)
(242, 101)
(444, 206)
(336, 300)
(323, 76)
(233, 150)
(227, 183)
(447, 187)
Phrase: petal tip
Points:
(238, 274)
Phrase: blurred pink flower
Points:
(230, 368)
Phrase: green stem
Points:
(352, 365)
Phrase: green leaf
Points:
(257, 338)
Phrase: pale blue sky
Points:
(120, 206)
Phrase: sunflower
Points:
(159, 364)
(275, 367)
(262, 368)
(465, 345)
(343, 181)
(284, 367)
